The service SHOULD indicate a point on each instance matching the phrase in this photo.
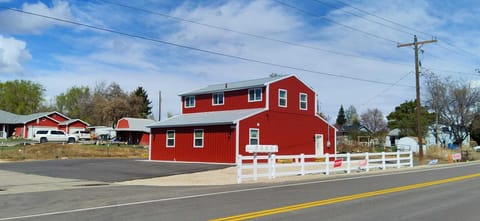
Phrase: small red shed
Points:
(134, 130)
(218, 121)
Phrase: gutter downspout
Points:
(150, 144)
(237, 140)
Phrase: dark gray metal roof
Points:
(206, 118)
(231, 86)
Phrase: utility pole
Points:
(417, 81)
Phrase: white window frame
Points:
(187, 103)
(202, 138)
(167, 138)
(254, 94)
(250, 136)
(282, 98)
(305, 101)
(215, 98)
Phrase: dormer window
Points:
(189, 101)
(255, 95)
(217, 98)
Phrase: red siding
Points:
(41, 122)
(145, 140)
(58, 117)
(219, 145)
(293, 87)
(123, 123)
(233, 100)
(293, 133)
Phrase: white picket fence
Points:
(272, 166)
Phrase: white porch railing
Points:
(272, 166)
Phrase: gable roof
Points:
(10, 118)
(233, 86)
(206, 118)
(68, 122)
(136, 124)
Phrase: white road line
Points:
(229, 192)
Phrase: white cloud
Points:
(27, 24)
(13, 53)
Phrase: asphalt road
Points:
(407, 195)
(106, 170)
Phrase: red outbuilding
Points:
(218, 121)
(134, 130)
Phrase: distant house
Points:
(218, 121)
(134, 130)
(24, 126)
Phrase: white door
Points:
(319, 144)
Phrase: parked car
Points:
(81, 135)
(476, 148)
(43, 136)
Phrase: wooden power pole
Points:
(415, 45)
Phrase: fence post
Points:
(398, 159)
(274, 164)
(367, 158)
(239, 169)
(327, 164)
(411, 158)
(349, 163)
(302, 164)
(269, 164)
(383, 161)
(255, 176)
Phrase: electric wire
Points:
(386, 89)
(199, 49)
(248, 34)
(334, 22)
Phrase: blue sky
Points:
(326, 42)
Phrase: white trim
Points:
(250, 135)
(166, 139)
(185, 101)
(203, 138)
(213, 99)
(261, 94)
(280, 98)
(150, 145)
(237, 140)
(300, 101)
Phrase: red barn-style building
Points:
(134, 130)
(24, 126)
(218, 121)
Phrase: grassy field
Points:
(61, 151)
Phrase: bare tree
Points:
(374, 120)
(455, 104)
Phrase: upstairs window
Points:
(303, 101)
(198, 138)
(282, 98)
(254, 94)
(189, 101)
(217, 98)
(170, 138)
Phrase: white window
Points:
(170, 138)
(198, 138)
(282, 98)
(217, 98)
(303, 101)
(254, 136)
(254, 94)
(190, 101)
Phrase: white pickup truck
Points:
(81, 135)
(43, 136)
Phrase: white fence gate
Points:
(273, 166)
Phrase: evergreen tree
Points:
(146, 108)
(341, 120)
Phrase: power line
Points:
(198, 49)
(410, 28)
(386, 89)
(334, 22)
(248, 34)
(363, 18)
